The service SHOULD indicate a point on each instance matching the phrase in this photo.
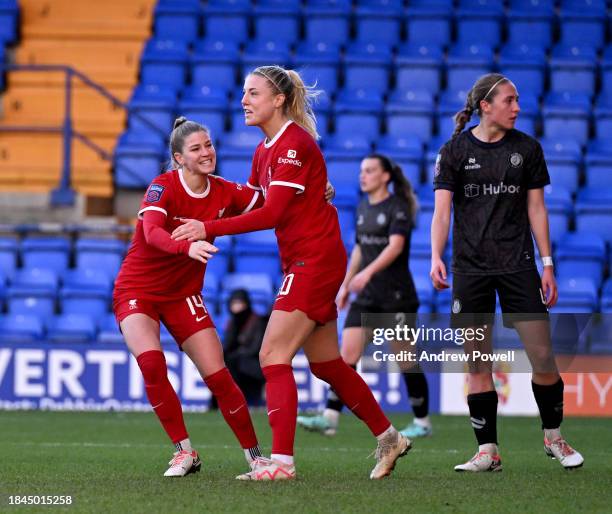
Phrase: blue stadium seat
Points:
(344, 175)
(566, 115)
(346, 146)
(227, 20)
(146, 141)
(32, 291)
(213, 63)
(378, 22)
(136, 168)
(585, 246)
(479, 23)
(594, 211)
(530, 23)
(36, 279)
(603, 117)
(279, 20)
(572, 68)
(429, 24)
(327, 21)
(164, 63)
(606, 71)
(239, 143)
(219, 264)
(409, 113)
(451, 101)
(558, 199)
(357, 112)
(46, 252)
(366, 65)
(583, 22)
(418, 67)
(564, 159)
(576, 295)
(467, 62)
(9, 15)
(206, 106)
(262, 52)
(156, 104)
(318, 63)
(177, 20)
(599, 333)
(71, 328)
(420, 245)
(606, 296)
(251, 263)
(20, 328)
(578, 268)
(86, 291)
(8, 255)
(234, 169)
(259, 286)
(526, 65)
(424, 289)
(406, 151)
(346, 218)
(101, 254)
(108, 329)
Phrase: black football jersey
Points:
(490, 181)
(375, 224)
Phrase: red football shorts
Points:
(182, 318)
(313, 294)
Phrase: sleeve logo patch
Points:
(154, 193)
(437, 167)
(292, 154)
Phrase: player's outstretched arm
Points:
(269, 216)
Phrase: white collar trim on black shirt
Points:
(268, 144)
(189, 191)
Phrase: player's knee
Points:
(153, 366)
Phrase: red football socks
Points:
(233, 406)
(353, 392)
(281, 398)
(161, 395)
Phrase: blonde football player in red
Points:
(161, 280)
(289, 169)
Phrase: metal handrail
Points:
(64, 195)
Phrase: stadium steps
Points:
(91, 174)
(110, 63)
(66, 19)
(103, 40)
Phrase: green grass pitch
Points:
(113, 462)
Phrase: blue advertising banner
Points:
(96, 376)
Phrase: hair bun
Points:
(179, 121)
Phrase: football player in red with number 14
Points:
(161, 280)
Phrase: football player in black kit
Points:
(494, 176)
(378, 273)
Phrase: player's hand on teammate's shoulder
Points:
(191, 230)
(330, 192)
(202, 251)
(549, 286)
(438, 274)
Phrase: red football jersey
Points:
(309, 233)
(157, 275)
